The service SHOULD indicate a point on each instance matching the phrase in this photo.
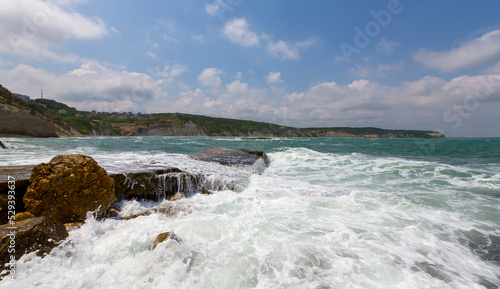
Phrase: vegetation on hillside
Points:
(104, 123)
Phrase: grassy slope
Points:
(115, 124)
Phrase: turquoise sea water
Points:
(326, 213)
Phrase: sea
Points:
(325, 213)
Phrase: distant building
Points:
(63, 111)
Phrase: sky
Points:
(394, 64)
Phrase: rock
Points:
(177, 197)
(36, 234)
(16, 121)
(240, 158)
(205, 192)
(112, 212)
(165, 236)
(20, 175)
(73, 226)
(154, 184)
(68, 187)
(2, 145)
(23, 216)
(167, 209)
(4, 209)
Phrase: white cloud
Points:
(386, 46)
(283, 50)
(286, 50)
(212, 9)
(209, 77)
(476, 52)
(274, 78)
(94, 85)
(237, 89)
(238, 32)
(380, 71)
(430, 101)
(35, 28)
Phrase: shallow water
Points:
(326, 213)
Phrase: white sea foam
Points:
(311, 220)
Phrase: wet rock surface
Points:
(154, 183)
(232, 157)
(35, 234)
(164, 237)
(68, 187)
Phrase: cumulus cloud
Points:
(476, 52)
(238, 32)
(274, 78)
(417, 104)
(94, 85)
(209, 77)
(426, 103)
(35, 28)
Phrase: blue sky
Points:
(406, 64)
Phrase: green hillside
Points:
(126, 124)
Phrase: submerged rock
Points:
(255, 160)
(165, 236)
(2, 145)
(168, 209)
(205, 192)
(35, 234)
(68, 187)
(177, 197)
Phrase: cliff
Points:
(171, 129)
(15, 121)
(21, 116)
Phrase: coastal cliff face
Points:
(17, 122)
(187, 129)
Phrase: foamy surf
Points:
(312, 220)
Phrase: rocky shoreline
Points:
(39, 202)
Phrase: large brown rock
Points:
(36, 234)
(68, 187)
